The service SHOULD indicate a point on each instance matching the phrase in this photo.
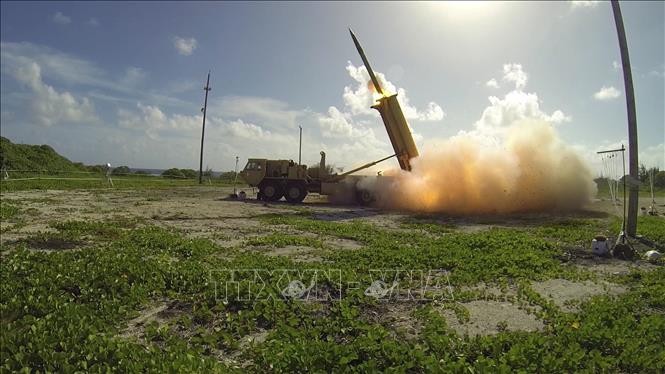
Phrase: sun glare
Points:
(466, 8)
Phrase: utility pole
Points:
(203, 129)
(300, 147)
(633, 164)
(235, 178)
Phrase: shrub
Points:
(172, 173)
(121, 170)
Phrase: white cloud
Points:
(340, 125)
(61, 19)
(607, 93)
(152, 120)
(180, 86)
(59, 67)
(514, 73)
(660, 73)
(155, 123)
(515, 105)
(50, 106)
(653, 156)
(557, 117)
(432, 113)
(492, 83)
(93, 22)
(185, 46)
(241, 129)
(616, 65)
(272, 112)
(360, 98)
(54, 64)
(584, 3)
(133, 76)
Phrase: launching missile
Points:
(364, 58)
(393, 118)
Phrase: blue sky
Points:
(122, 82)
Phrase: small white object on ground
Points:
(652, 255)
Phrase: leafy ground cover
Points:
(130, 295)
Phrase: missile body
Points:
(364, 58)
(393, 118)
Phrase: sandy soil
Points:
(488, 317)
(567, 295)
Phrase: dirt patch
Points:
(397, 316)
(611, 266)
(344, 244)
(234, 358)
(52, 243)
(472, 228)
(492, 317)
(296, 253)
(135, 327)
(490, 291)
(160, 311)
(567, 295)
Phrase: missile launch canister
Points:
(392, 116)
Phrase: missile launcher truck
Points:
(284, 178)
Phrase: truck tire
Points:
(364, 197)
(295, 192)
(271, 191)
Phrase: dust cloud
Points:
(525, 168)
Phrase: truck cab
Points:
(254, 172)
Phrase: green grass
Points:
(8, 210)
(281, 240)
(66, 310)
(79, 181)
(651, 227)
(644, 191)
(40, 167)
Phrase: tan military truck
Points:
(284, 178)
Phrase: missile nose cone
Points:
(353, 36)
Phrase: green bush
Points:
(121, 170)
(173, 173)
(189, 173)
(33, 157)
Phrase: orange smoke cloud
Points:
(529, 169)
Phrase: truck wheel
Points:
(271, 192)
(364, 197)
(295, 192)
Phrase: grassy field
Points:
(179, 279)
(645, 191)
(70, 181)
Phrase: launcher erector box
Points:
(398, 130)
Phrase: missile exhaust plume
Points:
(528, 169)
